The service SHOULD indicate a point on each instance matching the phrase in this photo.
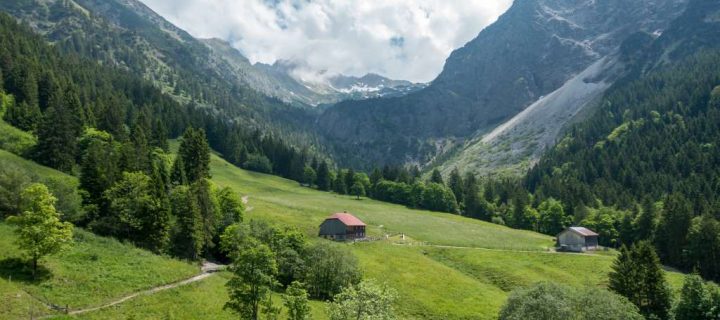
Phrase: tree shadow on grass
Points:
(18, 270)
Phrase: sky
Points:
(399, 39)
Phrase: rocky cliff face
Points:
(530, 52)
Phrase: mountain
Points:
(278, 80)
(372, 86)
(655, 131)
(547, 58)
(128, 35)
(651, 142)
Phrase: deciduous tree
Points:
(39, 229)
(254, 271)
(296, 302)
(366, 301)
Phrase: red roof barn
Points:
(342, 226)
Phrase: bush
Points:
(550, 301)
(329, 270)
(258, 163)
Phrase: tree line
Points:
(649, 159)
(637, 289)
(57, 95)
(644, 167)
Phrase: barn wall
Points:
(332, 227)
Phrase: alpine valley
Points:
(149, 174)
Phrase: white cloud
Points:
(401, 39)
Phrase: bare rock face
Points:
(534, 49)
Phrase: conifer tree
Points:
(24, 82)
(195, 151)
(624, 277)
(457, 185)
(638, 275)
(646, 221)
(188, 237)
(209, 210)
(159, 135)
(339, 184)
(673, 228)
(57, 137)
(98, 172)
(375, 176)
(704, 246)
(436, 177)
(177, 173)
(23, 116)
(349, 177)
(323, 177)
(415, 173)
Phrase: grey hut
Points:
(577, 239)
(342, 226)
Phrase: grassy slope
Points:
(207, 297)
(285, 202)
(434, 283)
(94, 271)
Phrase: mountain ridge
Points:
(532, 50)
(278, 80)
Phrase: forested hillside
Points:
(653, 139)
(110, 128)
(56, 93)
(125, 34)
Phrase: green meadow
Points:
(447, 267)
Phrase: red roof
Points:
(347, 219)
(584, 231)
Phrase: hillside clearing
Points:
(448, 267)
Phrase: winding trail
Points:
(208, 269)
(501, 250)
(245, 202)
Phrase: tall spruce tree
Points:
(646, 221)
(704, 246)
(457, 185)
(349, 177)
(177, 172)
(673, 229)
(436, 177)
(57, 136)
(209, 211)
(98, 172)
(188, 238)
(323, 177)
(638, 275)
(195, 151)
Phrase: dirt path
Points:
(499, 250)
(208, 268)
(245, 202)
